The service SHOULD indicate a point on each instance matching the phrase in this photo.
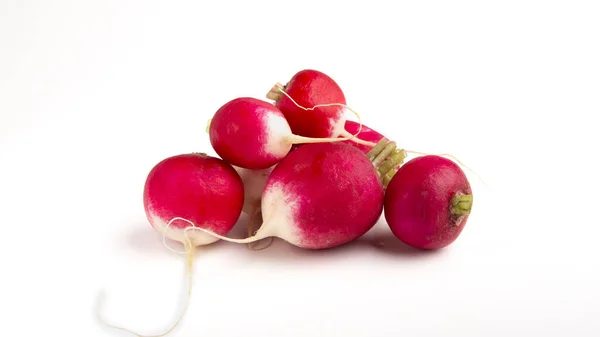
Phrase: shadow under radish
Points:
(283, 252)
(383, 240)
(144, 239)
(378, 240)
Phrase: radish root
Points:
(189, 264)
(279, 89)
(260, 234)
(254, 214)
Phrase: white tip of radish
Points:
(278, 208)
(277, 132)
(197, 238)
(337, 126)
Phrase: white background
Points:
(93, 94)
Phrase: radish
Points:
(320, 196)
(428, 202)
(202, 189)
(312, 88)
(254, 134)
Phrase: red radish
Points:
(253, 134)
(366, 134)
(320, 196)
(197, 187)
(428, 202)
(314, 106)
(201, 189)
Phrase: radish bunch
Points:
(305, 174)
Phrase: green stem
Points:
(386, 157)
(377, 148)
(395, 159)
(461, 204)
(388, 176)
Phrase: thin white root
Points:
(192, 227)
(190, 272)
(347, 135)
(253, 213)
(356, 139)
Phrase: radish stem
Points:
(461, 204)
(275, 93)
(377, 149)
(395, 159)
(383, 155)
(254, 214)
(386, 157)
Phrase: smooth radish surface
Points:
(318, 91)
(320, 196)
(428, 202)
(197, 187)
(250, 133)
(253, 134)
(366, 133)
(309, 88)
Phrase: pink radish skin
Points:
(197, 187)
(250, 133)
(330, 193)
(309, 88)
(320, 196)
(314, 106)
(366, 133)
(428, 202)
